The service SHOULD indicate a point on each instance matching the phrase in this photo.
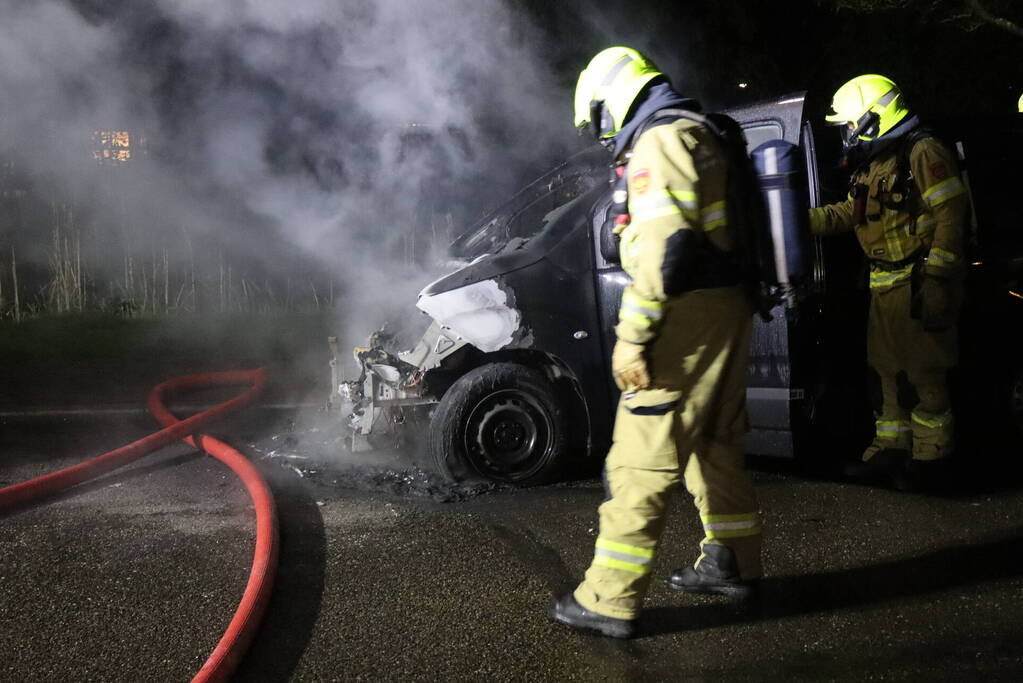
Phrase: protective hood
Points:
(866, 151)
(657, 97)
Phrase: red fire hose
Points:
(240, 631)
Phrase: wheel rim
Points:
(509, 436)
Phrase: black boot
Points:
(881, 468)
(924, 476)
(567, 610)
(717, 572)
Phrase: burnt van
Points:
(511, 381)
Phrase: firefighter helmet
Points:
(607, 89)
(868, 106)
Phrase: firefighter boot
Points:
(568, 611)
(925, 476)
(715, 572)
(879, 465)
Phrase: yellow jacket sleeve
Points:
(833, 218)
(946, 199)
(676, 181)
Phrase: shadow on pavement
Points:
(128, 473)
(539, 556)
(998, 471)
(790, 596)
(294, 605)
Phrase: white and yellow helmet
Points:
(608, 87)
(869, 106)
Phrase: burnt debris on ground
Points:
(314, 448)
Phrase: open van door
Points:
(777, 396)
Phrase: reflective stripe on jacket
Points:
(930, 221)
(677, 182)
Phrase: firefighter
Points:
(907, 206)
(681, 356)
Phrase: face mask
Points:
(601, 124)
(866, 127)
(848, 139)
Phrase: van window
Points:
(534, 217)
(526, 214)
(528, 221)
(760, 132)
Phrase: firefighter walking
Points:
(907, 206)
(682, 351)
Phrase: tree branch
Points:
(1001, 23)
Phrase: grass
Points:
(98, 335)
(97, 358)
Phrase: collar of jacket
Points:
(655, 98)
(865, 152)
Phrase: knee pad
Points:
(932, 391)
(934, 399)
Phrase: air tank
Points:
(779, 166)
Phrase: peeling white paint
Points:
(478, 313)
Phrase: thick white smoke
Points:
(278, 127)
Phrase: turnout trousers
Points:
(689, 425)
(914, 413)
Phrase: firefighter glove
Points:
(628, 365)
(937, 309)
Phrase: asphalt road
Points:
(134, 577)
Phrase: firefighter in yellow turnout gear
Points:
(681, 357)
(907, 205)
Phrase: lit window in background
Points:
(116, 146)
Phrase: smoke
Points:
(298, 138)
(697, 59)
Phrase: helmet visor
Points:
(597, 109)
(848, 136)
(866, 129)
(836, 119)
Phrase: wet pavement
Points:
(134, 577)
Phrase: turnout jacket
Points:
(901, 221)
(676, 178)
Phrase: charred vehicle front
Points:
(514, 351)
(511, 381)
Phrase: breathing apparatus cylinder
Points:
(779, 172)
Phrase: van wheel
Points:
(501, 422)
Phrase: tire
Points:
(501, 422)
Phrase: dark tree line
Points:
(952, 57)
(966, 14)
